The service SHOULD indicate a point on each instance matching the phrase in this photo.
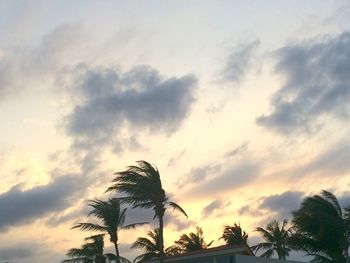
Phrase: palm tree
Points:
(322, 228)
(112, 217)
(151, 246)
(90, 252)
(191, 242)
(144, 189)
(234, 235)
(276, 239)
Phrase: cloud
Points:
(199, 174)
(238, 150)
(250, 210)
(276, 206)
(139, 215)
(333, 162)
(281, 205)
(176, 157)
(140, 99)
(218, 205)
(239, 62)
(17, 251)
(20, 207)
(344, 199)
(177, 221)
(23, 67)
(231, 178)
(317, 85)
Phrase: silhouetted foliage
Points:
(112, 218)
(143, 187)
(322, 228)
(190, 242)
(90, 252)
(234, 235)
(276, 240)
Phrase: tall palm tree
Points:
(234, 235)
(322, 228)
(90, 252)
(191, 242)
(143, 188)
(112, 218)
(276, 240)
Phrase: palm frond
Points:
(177, 208)
(133, 226)
(89, 227)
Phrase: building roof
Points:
(214, 251)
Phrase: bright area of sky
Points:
(242, 105)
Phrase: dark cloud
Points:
(250, 210)
(317, 85)
(24, 206)
(61, 218)
(139, 215)
(281, 205)
(218, 205)
(177, 221)
(231, 178)
(17, 251)
(140, 99)
(276, 206)
(239, 62)
(199, 174)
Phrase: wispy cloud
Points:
(239, 62)
(317, 85)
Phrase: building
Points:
(221, 254)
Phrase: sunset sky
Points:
(242, 105)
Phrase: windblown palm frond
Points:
(90, 252)
(150, 246)
(112, 218)
(276, 240)
(234, 235)
(143, 188)
(322, 228)
(191, 242)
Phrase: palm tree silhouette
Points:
(234, 235)
(112, 217)
(191, 242)
(151, 246)
(90, 252)
(276, 239)
(143, 187)
(322, 228)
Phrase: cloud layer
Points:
(317, 85)
(18, 206)
(140, 99)
(238, 62)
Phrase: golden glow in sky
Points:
(243, 107)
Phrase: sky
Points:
(242, 105)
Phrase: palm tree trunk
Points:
(116, 251)
(161, 249)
